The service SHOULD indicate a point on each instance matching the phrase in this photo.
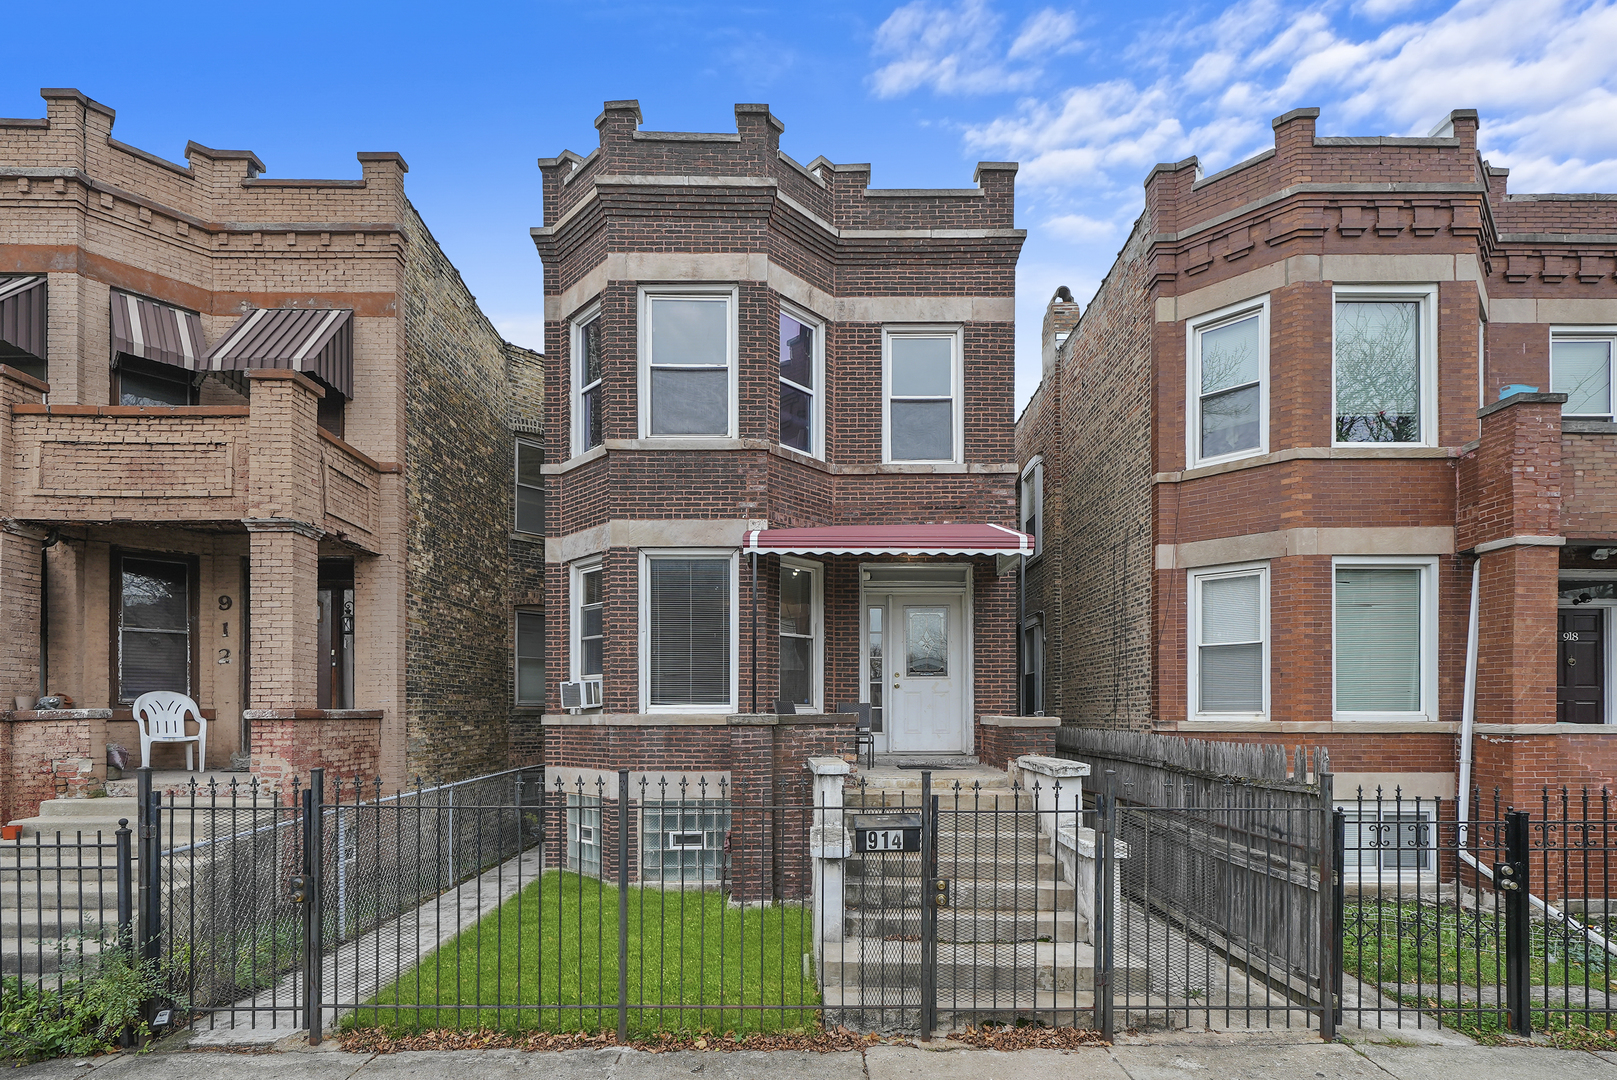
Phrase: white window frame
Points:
(1034, 471)
(817, 416)
(648, 293)
(575, 619)
(646, 557)
(1421, 809)
(1426, 296)
(576, 337)
(816, 571)
(1428, 633)
(1193, 636)
(957, 390)
(1590, 333)
(516, 657)
(1194, 329)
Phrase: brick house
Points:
(779, 458)
(258, 445)
(1316, 392)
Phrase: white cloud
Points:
(522, 328)
(1208, 83)
(959, 49)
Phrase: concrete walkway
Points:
(1178, 1056)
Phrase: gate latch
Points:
(940, 898)
(1507, 876)
(297, 887)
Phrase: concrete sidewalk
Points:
(1176, 1056)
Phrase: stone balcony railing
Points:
(187, 464)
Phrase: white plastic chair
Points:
(160, 715)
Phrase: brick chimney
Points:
(1059, 320)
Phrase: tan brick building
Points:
(257, 445)
(1316, 392)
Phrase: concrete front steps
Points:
(1011, 944)
(59, 892)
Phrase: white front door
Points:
(926, 682)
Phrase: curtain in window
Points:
(589, 382)
(1583, 374)
(154, 638)
(690, 372)
(690, 632)
(1231, 675)
(1378, 639)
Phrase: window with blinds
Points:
(1231, 631)
(689, 615)
(530, 658)
(688, 356)
(530, 493)
(1378, 639)
(1580, 368)
(154, 627)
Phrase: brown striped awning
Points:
(319, 341)
(22, 315)
(156, 331)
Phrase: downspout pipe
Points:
(1468, 721)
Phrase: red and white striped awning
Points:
(955, 539)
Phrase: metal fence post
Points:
(314, 935)
(623, 906)
(1329, 936)
(1338, 907)
(1510, 877)
(1105, 871)
(126, 907)
(929, 909)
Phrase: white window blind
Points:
(1582, 371)
(690, 631)
(1378, 646)
(921, 399)
(1231, 649)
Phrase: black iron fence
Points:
(1486, 918)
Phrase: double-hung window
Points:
(587, 364)
(589, 633)
(688, 657)
(1385, 364)
(1033, 668)
(1384, 838)
(1229, 662)
(688, 346)
(923, 407)
(801, 604)
(1580, 368)
(801, 383)
(530, 658)
(1032, 501)
(1229, 375)
(1385, 638)
(530, 493)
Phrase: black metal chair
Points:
(864, 734)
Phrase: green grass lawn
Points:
(548, 960)
(1389, 942)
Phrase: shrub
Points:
(86, 1015)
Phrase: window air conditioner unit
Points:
(581, 695)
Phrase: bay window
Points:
(1229, 370)
(1385, 638)
(689, 661)
(1580, 368)
(587, 407)
(1229, 663)
(1385, 364)
(801, 378)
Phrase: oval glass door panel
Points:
(927, 641)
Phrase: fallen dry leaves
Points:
(379, 1041)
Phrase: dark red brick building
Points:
(779, 461)
(1316, 393)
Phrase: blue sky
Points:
(1086, 95)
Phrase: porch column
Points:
(20, 579)
(284, 512)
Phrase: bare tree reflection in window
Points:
(1377, 372)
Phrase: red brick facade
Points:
(1508, 485)
(649, 210)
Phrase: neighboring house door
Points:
(1580, 681)
(927, 684)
